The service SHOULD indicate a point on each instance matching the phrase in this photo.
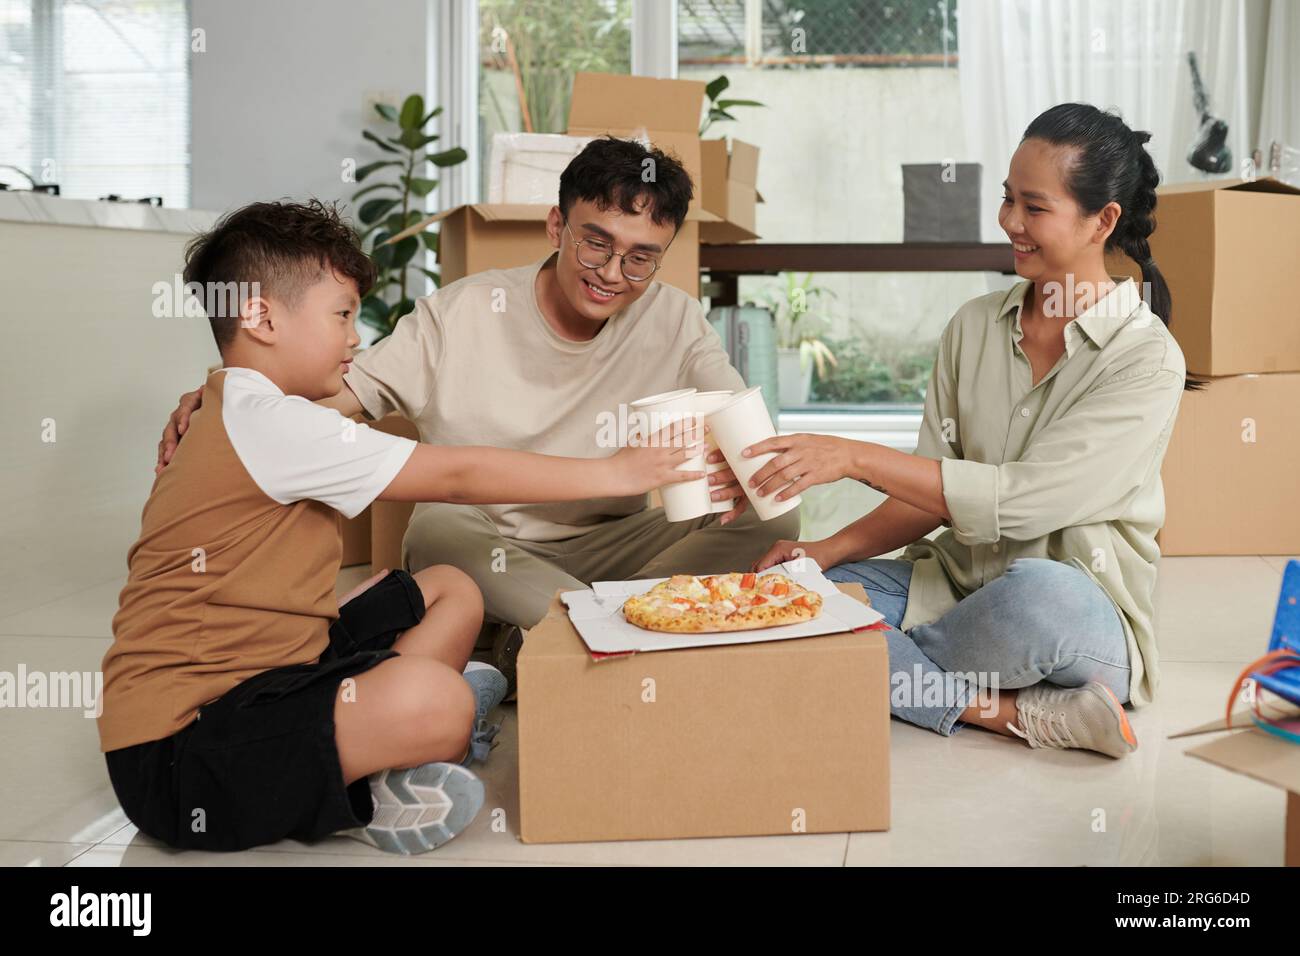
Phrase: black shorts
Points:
(260, 764)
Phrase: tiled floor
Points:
(971, 798)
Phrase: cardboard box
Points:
(702, 742)
(729, 189)
(500, 236)
(496, 236)
(1230, 469)
(355, 533)
(1228, 250)
(665, 112)
(1261, 756)
(388, 519)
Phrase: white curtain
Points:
(1019, 57)
(1280, 111)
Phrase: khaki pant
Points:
(519, 578)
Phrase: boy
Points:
(242, 705)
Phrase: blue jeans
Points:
(1041, 620)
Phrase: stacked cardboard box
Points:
(503, 235)
(1228, 250)
(729, 190)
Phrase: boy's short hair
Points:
(282, 246)
(615, 172)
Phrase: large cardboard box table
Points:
(772, 738)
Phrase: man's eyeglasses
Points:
(593, 253)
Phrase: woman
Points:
(1046, 421)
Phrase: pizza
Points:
(687, 604)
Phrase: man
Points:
(545, 357)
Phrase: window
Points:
(94, 96)
(529, 53)
(858, 88)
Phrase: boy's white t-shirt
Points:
(295, 449)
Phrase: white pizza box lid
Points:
(597, 615)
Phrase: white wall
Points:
(84, 352)
(833, 141)
(278, 99)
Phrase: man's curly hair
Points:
(282, 246)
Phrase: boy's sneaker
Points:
(1088, 717)
(505, 655)
(489, 686)
(420, 808)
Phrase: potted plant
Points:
(397, 208)
(800, 327)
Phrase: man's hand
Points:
(176, 425)
(801, 461)
(823, 552)
(723, 486)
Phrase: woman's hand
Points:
(823, 552)
(801, 461)
(176, 425)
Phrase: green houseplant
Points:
(394, 206)
(801, 323)
(718, 110)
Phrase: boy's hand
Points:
(653, 461)
(176, 425)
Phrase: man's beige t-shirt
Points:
(1068, 469)
(476, 364)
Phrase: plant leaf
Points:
(448, 157)
(387, 111)
(430, 115)
(414, 139)
(419, 187)
(373, 209)
(404, 251)
(405, 307)
(412, 110)
(430, 240)
(374, 312)
(371, 188)
(366, 134)
(716, 86)
(728, 104)
(368, 168)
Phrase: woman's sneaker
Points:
(1088, 717)
(420, 808)
(489, 686)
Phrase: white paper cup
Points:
(739, 423)
(685, 499)
(706, 403)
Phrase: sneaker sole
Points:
(421, 808)
(1125, 728)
